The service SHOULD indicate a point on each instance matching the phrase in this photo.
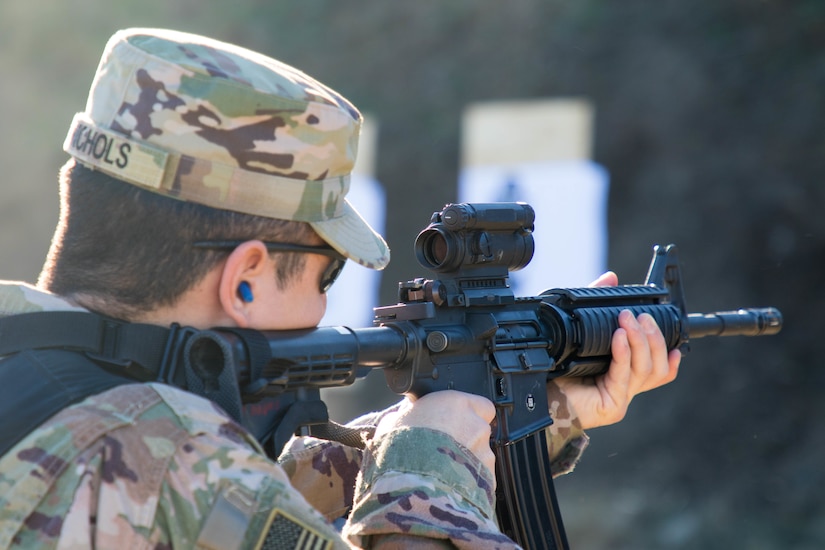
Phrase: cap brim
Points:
(353, 237)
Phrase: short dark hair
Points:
(131, 249)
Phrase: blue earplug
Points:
(245, 292)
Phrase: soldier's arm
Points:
(427, 477)
(325, 472)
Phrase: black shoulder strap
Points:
(50, 360)
(55, 359)
(138, 348)
(36, 385)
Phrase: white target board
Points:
(538, 152)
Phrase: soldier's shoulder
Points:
(19, 297)
(151, 411)
(128, 446)
(177, 409)
(196, 414)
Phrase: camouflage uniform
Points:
(148, 465)
(151, 466)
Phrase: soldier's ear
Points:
(241, 280)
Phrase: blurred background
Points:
(709, 120)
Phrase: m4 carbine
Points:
(462, 330)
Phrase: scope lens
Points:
(438, 249)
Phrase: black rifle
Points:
(464, 330)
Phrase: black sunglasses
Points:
(329, 275)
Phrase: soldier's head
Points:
(189, 149)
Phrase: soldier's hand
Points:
(640, 363)
(463, 416)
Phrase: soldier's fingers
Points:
(606, 279)
(615, 384)
(663, 364)
(482, 407)
(641, 362)
(657, 350)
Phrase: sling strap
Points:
(52, 359)
(37, 384)
(57, 358)
(137, 349)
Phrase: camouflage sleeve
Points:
(566, 441)
(418, 484)
(325, 472)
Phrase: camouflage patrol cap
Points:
(208, 122)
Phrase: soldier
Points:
(207, 187)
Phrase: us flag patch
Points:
(287, 532)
